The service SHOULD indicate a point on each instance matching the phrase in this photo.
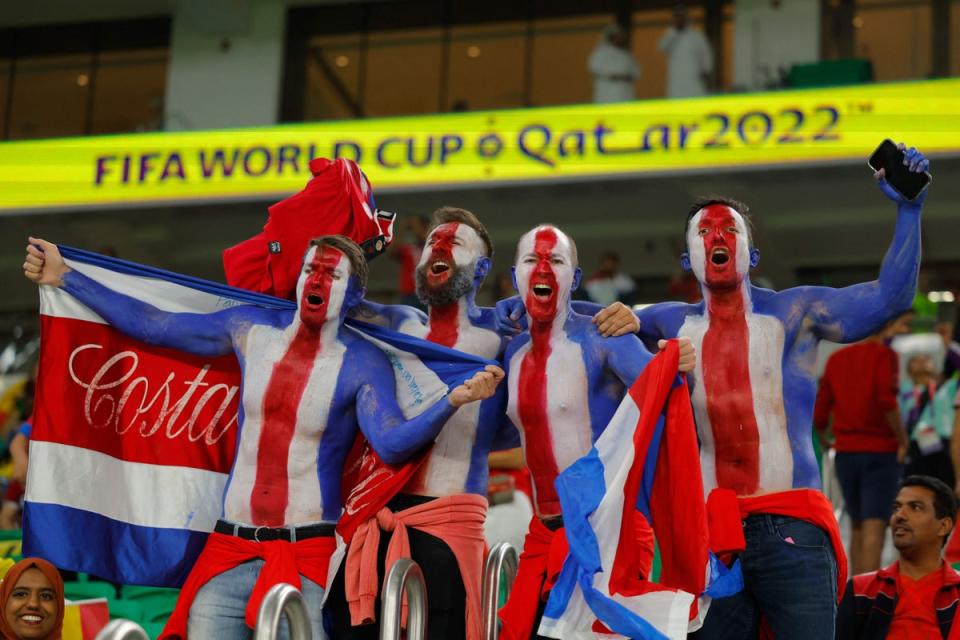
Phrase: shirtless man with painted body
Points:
(453, 264)
(308, 383)
(565, 382)
(754, 388)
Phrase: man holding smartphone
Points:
(753, 397)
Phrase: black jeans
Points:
(446, 596)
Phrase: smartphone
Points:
(907, 183)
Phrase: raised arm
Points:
(854, 312)
(390, 316)
(391, 435)
(200, 334)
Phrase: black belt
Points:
(552, 523)
(268, 534)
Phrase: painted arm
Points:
(390, 316)
(200, 334)
(626, 357)
(392, 436)
(852, 313)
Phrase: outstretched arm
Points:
(391, 435)
(853, 313)
(200, 334)
(390, 316)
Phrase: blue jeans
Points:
(790, 578)
(219, 608)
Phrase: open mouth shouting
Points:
(314, 300)
(719, 256)
(439, 272)
(542, 291)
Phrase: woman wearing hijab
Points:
(32, 597)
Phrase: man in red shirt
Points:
(917, 596)
(859, 389)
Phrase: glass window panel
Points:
(333, 77)
(896, 39)
(403, 72)
(128, 91)
(50, 96)
(486, 66)
(561, 47)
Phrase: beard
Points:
(457, 285)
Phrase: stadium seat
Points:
(85, 590)
(157, 602)
(127, 609)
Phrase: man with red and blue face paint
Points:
(442, 504)
(753, 397)
(308, 384)
(565, 382)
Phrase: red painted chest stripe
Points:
(281, 400)
(726, 378)
(532, 400)
(444, 324)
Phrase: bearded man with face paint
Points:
(453, 264)
(307, 385)
(753, 397)
(565, 382)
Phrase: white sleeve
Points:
(706, 55)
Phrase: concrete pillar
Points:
(226, 63)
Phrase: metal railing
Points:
(283, 599)
(831, 485)
(120, 629)
(405, 577)
(502, 560)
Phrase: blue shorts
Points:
(869, 483)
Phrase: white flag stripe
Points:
(165, 295)
(136, 493)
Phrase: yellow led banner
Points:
(486, 147)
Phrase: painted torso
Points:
(753, 388)
(457, 463)
(561, 395)
(298, 418)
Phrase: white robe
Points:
(688, 57)
(606, 61)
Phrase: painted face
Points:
(545, 272)
(447, 264)
(719, 247)
(31, 611)
(323, 285)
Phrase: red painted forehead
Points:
(544, 241)
(715, 214)
(327, 257)
(445, 233)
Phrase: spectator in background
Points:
(32, 597)
(917, 596)
(927, 412)
(609, 284)
(408, 255)
(612, 66)
(11, 510)
(859, 389)
(689, 57)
